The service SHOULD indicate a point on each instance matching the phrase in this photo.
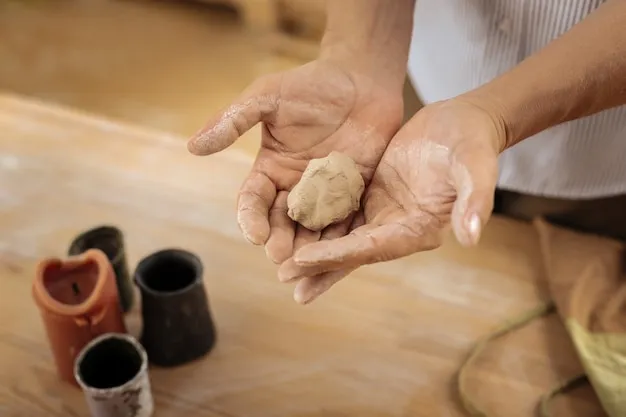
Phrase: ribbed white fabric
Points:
(460, 44)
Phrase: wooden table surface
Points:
(387, 341)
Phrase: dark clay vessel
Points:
(177, 322)
(109, 240)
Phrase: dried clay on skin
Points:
(328, 192)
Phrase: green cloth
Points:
(603, 356)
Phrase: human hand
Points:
(440, 169)
(306, 113)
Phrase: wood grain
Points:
(385, 342)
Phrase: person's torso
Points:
(459, 45)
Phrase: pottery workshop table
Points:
(388, 341)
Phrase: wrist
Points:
(576, 75)
(384, 65)
(495, 113)
(370, 37)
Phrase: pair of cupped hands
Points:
(437, 170)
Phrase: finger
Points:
(279, 246)
(366, 245)
(259, 103)
(255, 199)
(304, 236)
(310, 288)
(474, 174)
(357, 221)
(337, 230)
(290, 271)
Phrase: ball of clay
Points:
(328, 192)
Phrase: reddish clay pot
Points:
(78, 301)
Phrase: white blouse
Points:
(460, 44)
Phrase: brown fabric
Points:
(468, 402)
(584, 279)
(605, 216)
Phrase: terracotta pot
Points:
(177, 322)
(112, 370)
(110, 240)
(78, 301)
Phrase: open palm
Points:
(306, 113)
(439, 170)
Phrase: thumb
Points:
(365, 245)
(474, 174)
(258, 103)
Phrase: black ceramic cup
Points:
(110, 240)
(177, 322)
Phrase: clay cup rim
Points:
(95, 234)
(143, 368)
(43, 297)
(185, 257)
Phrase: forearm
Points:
(370, 35)
(579, 74)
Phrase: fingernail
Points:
(288, 271)
(270, 255)
(279, 252)
(253, 233)
(473, 228)
(194, 142)
(250, 238)
(307, 291)
(301, 297)
(191, 146)
(283, 277)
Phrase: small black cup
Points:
(110, 240)
(177, 322)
